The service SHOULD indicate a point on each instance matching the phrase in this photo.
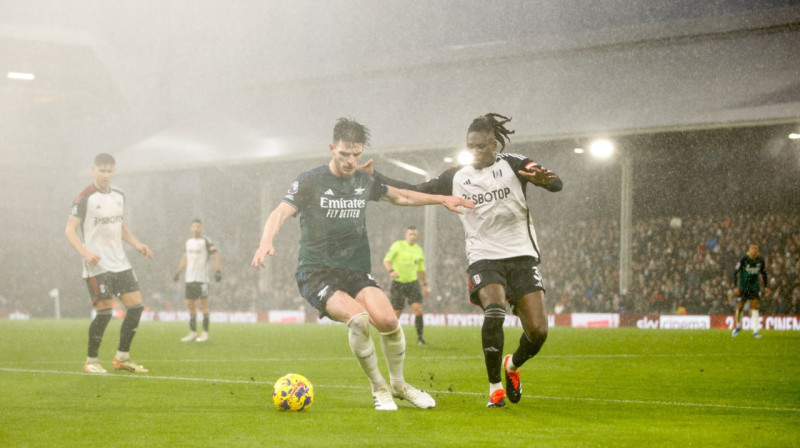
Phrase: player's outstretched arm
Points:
(542, 177)
(397, 196)
(274, 223)
(140, 247)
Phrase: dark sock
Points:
(193, 322)
(96, 330)
(527, 349)
(129, 326)
(492, 338)
(205, 322)
(419, 324)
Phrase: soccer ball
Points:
(293, 393)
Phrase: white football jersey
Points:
(500, 226)
(198, 251)
(101, 216)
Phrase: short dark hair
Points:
(350, 131)
(197, 220)
(411, 228)
(104, 159)
(494, 124)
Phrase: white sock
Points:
(511, 365)
(92, 360)
(122, 356)
(393, 344)
(364, 349)
(494, 386)
(754, 320)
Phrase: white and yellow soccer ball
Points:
(292, 393)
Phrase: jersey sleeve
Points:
(210, 246)
(443, 184)
(519, 163)
(298, 193)
(378, 189)
(79, 205)
(737, 271)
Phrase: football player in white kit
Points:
(195, 259)
(98, 213)
(501, 245)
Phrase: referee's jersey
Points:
(407, 260)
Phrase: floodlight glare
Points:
(602, 149)
(465, 158)
(448, 160)
(578, 151)
(794, 136)
(21, 76)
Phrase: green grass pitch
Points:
(588, 387)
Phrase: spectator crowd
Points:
(678, 265)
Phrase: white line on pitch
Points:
(350, 358)
(540, 397)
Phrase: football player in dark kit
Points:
(502, 249)
(333, 272)
(745, 278)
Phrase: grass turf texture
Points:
(588, 387)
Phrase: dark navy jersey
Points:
(745, 277)
(500, 226)
(333, 221)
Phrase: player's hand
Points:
(144, 250)
(367, 167)
(176, 277)
(767, 292)
(736, 292)
(91, 258)
(539, 176)
(454, 204)
(261, 255)
(425, 291)
(392, 274)
(218, 276)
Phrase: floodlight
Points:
(21, 76)
(465, 158)
(601, 149)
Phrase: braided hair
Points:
(494, 124)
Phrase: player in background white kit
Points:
(195, 259)
(98, 213)
(501, 245)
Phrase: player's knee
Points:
(359, 324)
(387, 323)
(539, 334)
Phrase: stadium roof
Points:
(184, 83)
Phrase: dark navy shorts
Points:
(403, 293)
(518, 276)
(319, 285)
(109, 285)
(197, 290)
(749, 295)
